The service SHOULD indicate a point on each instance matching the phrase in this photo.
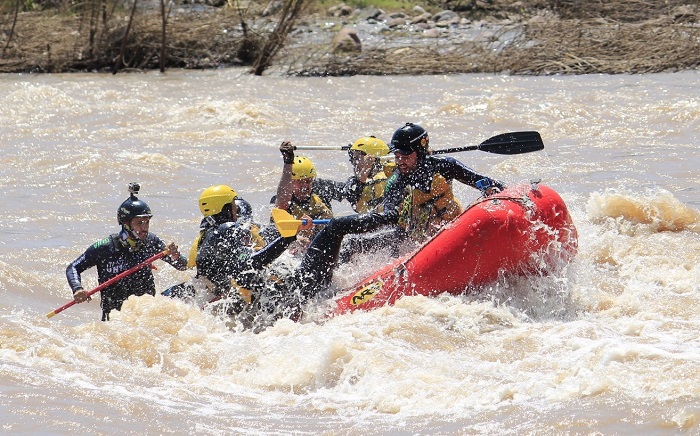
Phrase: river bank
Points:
(506, 38)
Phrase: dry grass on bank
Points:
(58, 43)
(562, 47)
(603, 47)
(567, 39)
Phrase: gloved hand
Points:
(489, 187)
(287, 150)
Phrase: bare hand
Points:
(306, 223)
(81, 295)
(491, 190)
(299, 246)
(363, 168)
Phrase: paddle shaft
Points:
(505, 143)
(325, 221)
(322, 147)
(114, 279)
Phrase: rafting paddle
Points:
(287, 225)
(505, 143)
(116, 278)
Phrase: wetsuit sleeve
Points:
(329, 190)
(86, 260)
(450, 168)
(179, 264)
(393, 197)
(224, 254)
(270, 252)
(269, 233)
(353, 190)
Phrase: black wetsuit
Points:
(226, 252)
(227, 258)
(112, 257)
(350, 190)
(448, 167)
(329, 190)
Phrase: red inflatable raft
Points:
(525, 229)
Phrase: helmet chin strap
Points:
(129, 239)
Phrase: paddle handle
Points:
(116, 278)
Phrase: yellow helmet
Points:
(371, 145)
(214, 198)
(303, 168)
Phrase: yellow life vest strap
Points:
(192, 260)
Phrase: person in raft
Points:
(295, 195)
(419, 195)
(213, 216)
(364, 190)
(233, 267)
(245, 284)
(120, 252)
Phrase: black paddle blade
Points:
(513, 143)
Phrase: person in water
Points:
(120, 252)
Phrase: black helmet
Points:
(409, 138)
(132, 207)
(245, 210)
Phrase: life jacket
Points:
(313, 207)
(192, 259)
(257, 242)
(372, 194)
(422, 214)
